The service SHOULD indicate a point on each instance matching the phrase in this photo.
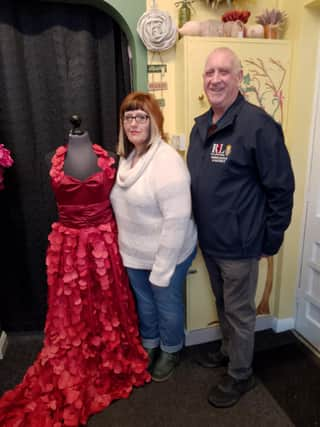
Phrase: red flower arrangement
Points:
(5, 162)
(236, 15)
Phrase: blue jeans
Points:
(161, 309)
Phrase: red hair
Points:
(146, 102)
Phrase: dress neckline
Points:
(104, 162)
(74, 178)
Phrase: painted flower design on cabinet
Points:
(263, 83)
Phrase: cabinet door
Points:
(200, 303)
(266, 67)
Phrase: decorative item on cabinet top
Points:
(273, 21)
(216, 28)
(216, 3)
(233, 23)
(184, 14)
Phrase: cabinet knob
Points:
(201, 97)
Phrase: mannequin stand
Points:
(3, 344)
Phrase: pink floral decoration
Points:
(5, 162)
(5, 159)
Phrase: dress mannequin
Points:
(80, 161)
(92, 354)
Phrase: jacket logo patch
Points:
(220, 153)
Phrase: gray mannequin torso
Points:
(80, 161)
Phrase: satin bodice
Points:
(83, 203)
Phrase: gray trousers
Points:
(234, 284)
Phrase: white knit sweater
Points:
(152, 205)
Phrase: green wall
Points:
(126, 13)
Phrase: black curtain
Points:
(56, 60)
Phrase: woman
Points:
(157, 235)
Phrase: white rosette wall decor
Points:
(157, 30)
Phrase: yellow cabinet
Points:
(266, 65)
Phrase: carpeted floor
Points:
(291, 373)
(287, 393)
(182, 402)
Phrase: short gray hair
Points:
(235, 59)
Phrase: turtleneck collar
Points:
(128, 175)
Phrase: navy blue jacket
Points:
(241, 181)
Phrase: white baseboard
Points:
(281, 325)
(201, 336)
(264, 322)
(3, 344)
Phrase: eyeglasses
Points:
(139, 118)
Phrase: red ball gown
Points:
(92, 353)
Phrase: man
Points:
(242, 190)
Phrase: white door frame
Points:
(314, 139)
